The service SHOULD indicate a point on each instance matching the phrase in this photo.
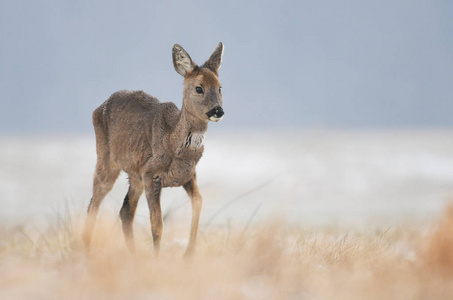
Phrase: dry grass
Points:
(272, 260)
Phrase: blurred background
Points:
(336, 111)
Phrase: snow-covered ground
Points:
(311, 177)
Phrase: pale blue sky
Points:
(287, 64)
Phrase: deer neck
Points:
(188, 133)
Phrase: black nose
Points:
(215, 112)
(219, 112)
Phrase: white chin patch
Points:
(215, 119)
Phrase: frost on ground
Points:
(308, 215)
(312, 177)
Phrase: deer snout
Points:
(215, 114)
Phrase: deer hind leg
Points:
(104, 178)
(153, 188)
(196, 199)
(128, 209)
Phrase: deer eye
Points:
(199, 89)
(220, 90)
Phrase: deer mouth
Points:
(215, 114)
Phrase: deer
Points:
(156, 144)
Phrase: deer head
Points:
(202, 89)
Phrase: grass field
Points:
(269, 260)
(309, 215)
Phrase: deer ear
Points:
(181, 61)
(215, 60)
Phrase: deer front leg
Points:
(196, 199)
(153, 188)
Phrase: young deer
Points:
(156, 144)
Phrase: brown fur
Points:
(156, 144)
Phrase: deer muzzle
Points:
(215, 114)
